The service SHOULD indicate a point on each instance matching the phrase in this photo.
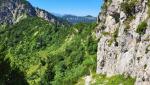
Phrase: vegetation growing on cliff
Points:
(129, 7)
(114, 80)
(142, 28)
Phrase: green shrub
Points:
(105, 33)
(127, 22)
(24, 2)
(147, 49)
(114, 37)
(104, 7)
(129, 7)
(110, 42)
(148, 8)
(115, 34)
(145, 66)
(142, 28)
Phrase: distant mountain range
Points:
(76, 19)
(12, 11)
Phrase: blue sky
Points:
(75, 7)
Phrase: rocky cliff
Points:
(12, 11)
(124, 39)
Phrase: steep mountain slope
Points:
(36, 52)
(123, 32)
(47, 54)
(12, 11)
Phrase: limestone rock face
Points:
(12, 11)
(47, 16)
(121, 49)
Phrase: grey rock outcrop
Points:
(48, 16)
(121, 50)
(12, 11)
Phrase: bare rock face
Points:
(47, 16)
(12, 11)
(122, 48)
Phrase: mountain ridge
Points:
(78, 19)
(12, 11)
